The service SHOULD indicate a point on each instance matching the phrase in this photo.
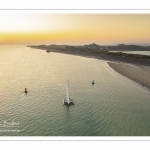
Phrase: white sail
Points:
(67, 89)
(67, 101)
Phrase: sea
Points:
(113, 106)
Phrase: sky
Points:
(74, 29)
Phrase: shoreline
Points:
(133, 61)
(135, 69)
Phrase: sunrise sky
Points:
(74, 29)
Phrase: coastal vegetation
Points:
(99, 50)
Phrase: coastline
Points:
(134, 69)
(141, 62)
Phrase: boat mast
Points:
(67, 89)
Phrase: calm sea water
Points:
(113, 106)
(135, 52)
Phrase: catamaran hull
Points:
(65, 102)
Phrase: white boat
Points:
(67, 101)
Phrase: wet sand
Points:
(137, 73)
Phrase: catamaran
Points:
(68, 101)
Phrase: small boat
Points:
(25, 90)
(67, 101)
(93, 82)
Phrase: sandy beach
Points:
(137, 73)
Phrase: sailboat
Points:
(93, 82)
(68, 101)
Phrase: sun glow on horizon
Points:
(74, 28)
